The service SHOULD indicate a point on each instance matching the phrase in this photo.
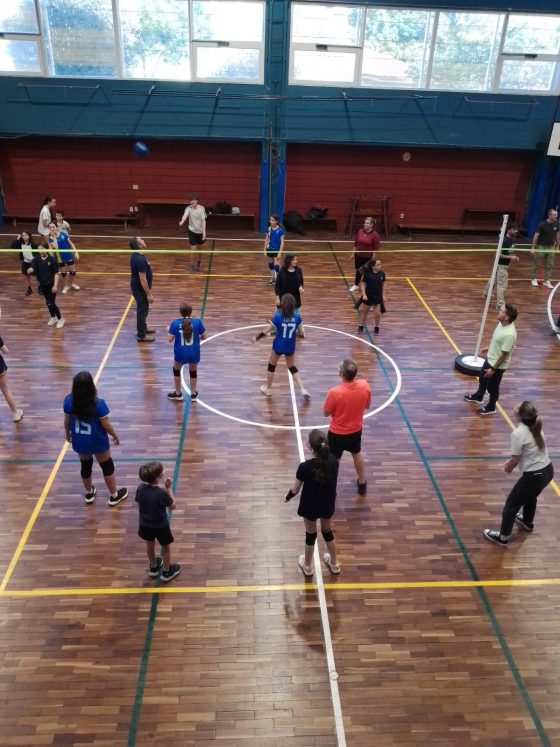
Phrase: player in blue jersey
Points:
(87, 427)
(287, 326)
(186, 333)
(66, 253)
(274, 246)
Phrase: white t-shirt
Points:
(44, 215)
(197, 218)
(27, 252)
(523, 445)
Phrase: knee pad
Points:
(271, 368)
(86, 467)
(328, 535)
(176, 372)
(193, 374)
(63, 274)
(72, 273)
(276, 268)
(271, 265)
(310, 538)
(293, 370)
(107, 467)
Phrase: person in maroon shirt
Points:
(366, 244)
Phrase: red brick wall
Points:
(94, 177)
(433, 187)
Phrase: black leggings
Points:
(50, 300)
(492, 384)
(524, 494)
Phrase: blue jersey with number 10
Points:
(183, 350)
(286, 330)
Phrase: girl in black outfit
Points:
(289, 280)
(45, 268)
(318, 477)
(27, 250)
(372, 288)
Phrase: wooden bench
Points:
(319, 224)
(484, 219)
(97, 220)
(428, 227)
(163, 209)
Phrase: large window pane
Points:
(324, 24)
(465, 51)
(532, 34)
(155, 38)
(527, 75)
(228, 63)
(82, 38)
(221, 20)
(324, 67)
(19, 56)
(394, 47)
(18, 17)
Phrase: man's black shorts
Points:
(351, 442)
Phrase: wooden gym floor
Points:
(438, 637)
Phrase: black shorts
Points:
(3, 366)
(195, 239)
(67, 263)
(24, 267)
(374, 302)
(272, 253)
(339, 442)
(161, 534)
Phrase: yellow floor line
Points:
(302, 586)
(56, 467)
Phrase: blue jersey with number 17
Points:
(183, 350)
(286, 330)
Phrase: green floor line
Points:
(150, 626)
(468, 562)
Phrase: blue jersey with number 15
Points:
(88, 436)
(286, 330)
(183, 350)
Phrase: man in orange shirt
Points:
(346, 404)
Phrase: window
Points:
(530, 55)
(18, 17)
(19, 56)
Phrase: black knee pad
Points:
(328, 535)
(271, 368)
(176, 372)
(72, 273)
(86, 467)
(63, 274)
(107, 467)
(193, 374)
(310, 538)
(293, 370)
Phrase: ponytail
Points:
(530, 417)
(186, 327)
(321, 468)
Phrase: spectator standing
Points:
(46, 217)
(345, 404)
(141, 277)
(27, 250)
(366, 243)
(506, 255)
(544, 246)
(195, 217)
(496, 363)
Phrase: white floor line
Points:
(333, 674)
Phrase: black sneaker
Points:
(472, 398)
(89, 497)
(520, 523)
(360, 329)
(362, 487)
(376, 330)
(493, 536)
(114, 500)
(174, 570)
(153, 570)
(28, 292)
(175, 397)
(486, 411)
(194, 395)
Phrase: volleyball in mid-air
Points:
(140, 149)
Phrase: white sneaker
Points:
(265, 391)
(60, 323)
(52, 321)
(353, 288)
(548, 284)
(534, 282)
(333, 567)
(75, 286)
(66, 289)
(17, 416)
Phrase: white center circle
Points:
(369, 414)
